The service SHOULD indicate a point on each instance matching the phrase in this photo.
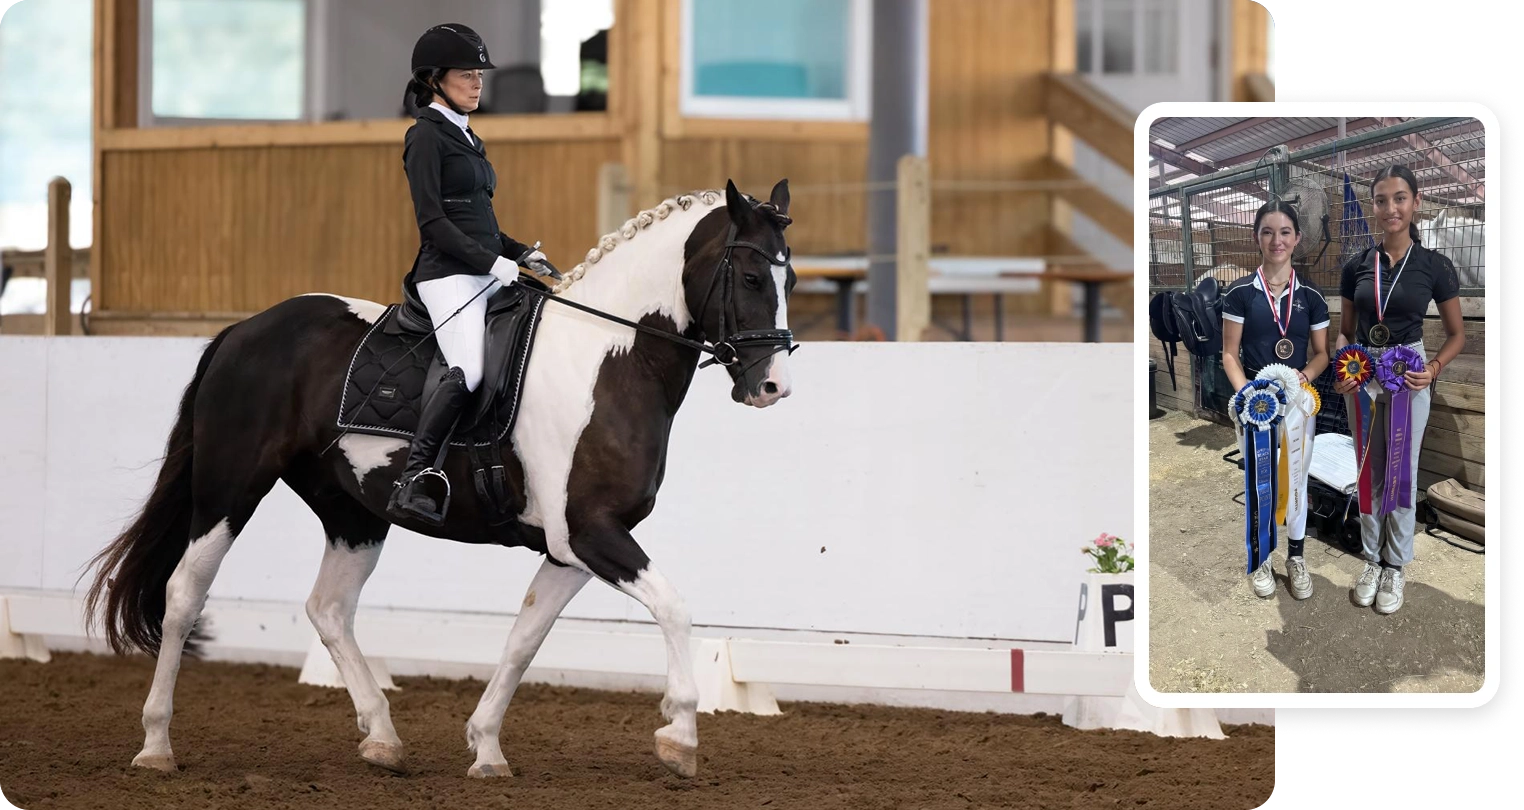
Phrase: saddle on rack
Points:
(398, 363)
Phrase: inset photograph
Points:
(1317, 404)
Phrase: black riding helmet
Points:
(447, 46)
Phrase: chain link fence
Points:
(1204, 227)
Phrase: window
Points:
(564, 26)
(228, 59)
(45, 101)
(798, 59)
(1127, 37)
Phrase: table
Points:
(955, 275)
(1091, 279)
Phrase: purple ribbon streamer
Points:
(1397, 488)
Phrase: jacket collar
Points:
(1296, 284)
(433, 114)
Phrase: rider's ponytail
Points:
(421, 88)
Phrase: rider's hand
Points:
(504, 271)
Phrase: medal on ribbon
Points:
(1380, 333)
(1353, 363)
(1284, 348)
(1258, 408)
(1397, 483)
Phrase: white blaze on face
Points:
(777, 371)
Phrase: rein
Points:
(725, 350)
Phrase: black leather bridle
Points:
(725, 350)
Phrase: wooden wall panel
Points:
(827, 220)
(1251, 46)
(237, 230)
(989, 59)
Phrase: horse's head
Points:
(737, 282)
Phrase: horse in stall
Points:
(589, 450)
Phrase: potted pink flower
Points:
(1111, 553)
(1106, 597)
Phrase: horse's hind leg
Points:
(355, 540)
(184, 597)
(613, 555)
(553, 587)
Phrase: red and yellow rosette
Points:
(1353, 363)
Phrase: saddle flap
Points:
(412, 317)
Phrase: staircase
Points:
(1076, 109)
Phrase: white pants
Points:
(463, 339)
(1390, 537)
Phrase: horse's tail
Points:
(132, 572)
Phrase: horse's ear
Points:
(779, 198)
(736, 204)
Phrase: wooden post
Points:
(913, 248)
(613, 197)
(1065, 59)
(59, 261)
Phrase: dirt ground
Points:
(1208, 632)
(251, 736)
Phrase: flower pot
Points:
(1105, 619)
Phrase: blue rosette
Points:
(1261, 404)
(1258, 408)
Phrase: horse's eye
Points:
(753, 281)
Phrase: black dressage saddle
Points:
(398, 363)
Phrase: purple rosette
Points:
(1397, 483)
(1394, 363)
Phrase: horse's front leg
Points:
(553, 587)
(612, 555)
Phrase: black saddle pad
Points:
(390, 373)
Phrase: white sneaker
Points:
(1365, 586)
(1263, 581)
(1296, 574)
(1389, 595)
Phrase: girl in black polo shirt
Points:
(1292, 331)
(1410, 277)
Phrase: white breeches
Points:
(463, 339)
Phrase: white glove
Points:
(532, 257)
(505, 271)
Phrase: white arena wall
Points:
(933, 495)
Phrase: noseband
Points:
(732, 338)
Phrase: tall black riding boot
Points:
(409, 498)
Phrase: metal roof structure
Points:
(1186, 148)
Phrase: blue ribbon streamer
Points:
(1260, 492)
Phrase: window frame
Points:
(1139, 42)
(856, 107)
(315, 14)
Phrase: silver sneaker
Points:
(1263, 581)
(1301, 581)
(1365, 586)
(1389, 595)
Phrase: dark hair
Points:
(421, 88)
(1404, 174)
(1277, 206)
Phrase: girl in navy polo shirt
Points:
(1381, 316)
(1275, 316)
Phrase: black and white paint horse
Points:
(591, 440)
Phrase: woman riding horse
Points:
(461, 251)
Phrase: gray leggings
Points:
(1390, 536)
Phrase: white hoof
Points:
(680, 758)
(391, 756)
(158, 762)
(489, 771)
